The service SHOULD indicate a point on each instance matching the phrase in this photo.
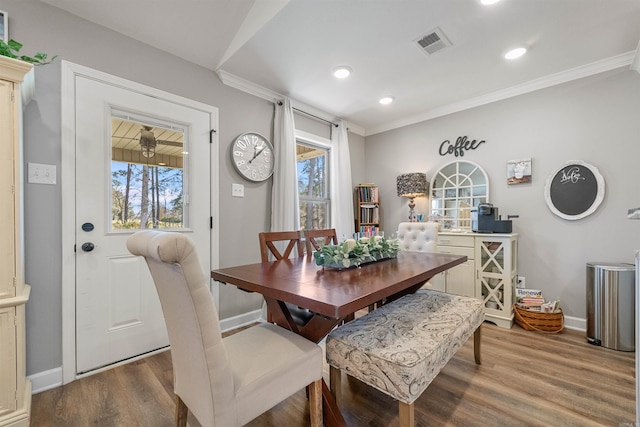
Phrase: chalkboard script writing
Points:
(572, 175)
(458, 148)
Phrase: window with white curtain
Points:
(312, 158)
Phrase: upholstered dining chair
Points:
(418, 237)
(277, 245)
(316, 238)
(222, 381)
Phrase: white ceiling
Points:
(291, 47)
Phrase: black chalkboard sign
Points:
(575, 190)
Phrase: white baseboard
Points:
(244, 319)
(575, 323)
(46, 380)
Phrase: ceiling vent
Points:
(433, 41)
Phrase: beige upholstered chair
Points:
(418, 237)
(222, 381)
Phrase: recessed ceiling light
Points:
(515, 53)
(342, 72)
(386, 100)
(488, 2)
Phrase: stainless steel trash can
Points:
(611, 305)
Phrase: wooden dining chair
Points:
(277, 245)
(316, 238)
(222, 381)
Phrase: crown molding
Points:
(631, 58)
(247, 86)
(598, 67)
(254, 89)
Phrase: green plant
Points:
(12, 48)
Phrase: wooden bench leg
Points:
(407, 418)
(476, 345)
(335, 382)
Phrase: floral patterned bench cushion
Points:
(401, 347)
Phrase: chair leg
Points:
(315, 403)
(407, 417)
(182, 412)
(476, 345)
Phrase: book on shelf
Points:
(368, 193)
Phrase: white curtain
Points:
(285, 212)
(341, 189)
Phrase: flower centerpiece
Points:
(353, 253)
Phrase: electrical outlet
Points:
(237, 190)
(520, 282)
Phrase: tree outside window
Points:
(313, 185)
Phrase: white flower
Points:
(350, 244)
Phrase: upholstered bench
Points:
(401, 347)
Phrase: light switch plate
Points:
(42, 174)
(237, 190)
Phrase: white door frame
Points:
(69, 72)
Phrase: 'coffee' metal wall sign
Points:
(458, 148)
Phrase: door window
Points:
(148, 188)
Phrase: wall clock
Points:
(575, 190)
(252, 156)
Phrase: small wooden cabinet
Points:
(15, 389)
(489, 274)
(367, 208)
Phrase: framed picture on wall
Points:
(518, 171)
(4, 26)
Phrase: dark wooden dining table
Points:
(331, 294)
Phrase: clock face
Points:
(252, 156)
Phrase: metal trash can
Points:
(611, 305)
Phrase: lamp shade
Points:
(412, 184)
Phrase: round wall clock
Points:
(252, 156)
(575, 190)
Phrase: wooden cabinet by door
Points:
(15, 389)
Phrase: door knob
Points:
(88, 246)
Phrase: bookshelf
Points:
(368, 208)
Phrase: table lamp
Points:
(412, 185)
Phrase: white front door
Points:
(119, 190)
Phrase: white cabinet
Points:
(15, 389)
(496, 266)
(459, 280)
(489, 274)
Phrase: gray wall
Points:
(42, 28)
(594, 119)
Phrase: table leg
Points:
(330, 411)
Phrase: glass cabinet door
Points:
(456, 188)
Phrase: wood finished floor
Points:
(526, 379)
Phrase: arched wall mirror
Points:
(455, 188)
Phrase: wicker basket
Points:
(551, 323)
